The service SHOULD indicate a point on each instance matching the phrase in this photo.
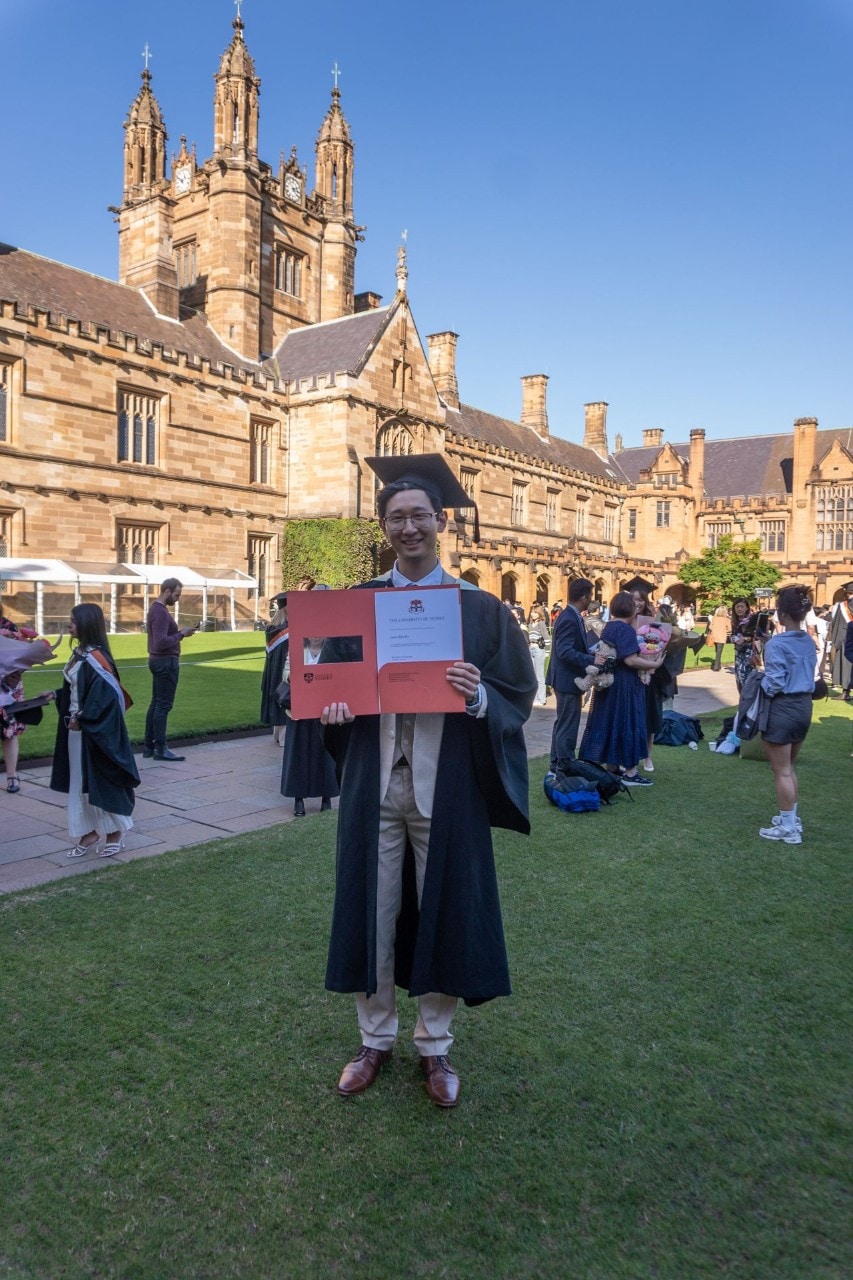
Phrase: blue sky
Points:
(648, 200)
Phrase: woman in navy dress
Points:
(615, 734)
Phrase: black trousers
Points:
(164, 682)
(564, 735)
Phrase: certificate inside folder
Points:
(384, 649)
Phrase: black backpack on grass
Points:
(607, 784)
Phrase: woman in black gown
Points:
(276, 654)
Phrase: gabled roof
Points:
(749, 466)
(31, 281)
(487, 428)
(335, 346)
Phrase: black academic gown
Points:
(455, 943)
(273, 674)
(109, 769)
(841, 665)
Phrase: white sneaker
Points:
(790, 835)
(647, 765)
(777, 822)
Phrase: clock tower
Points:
(232, 178)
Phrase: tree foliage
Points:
(728, 570)
(336, 552)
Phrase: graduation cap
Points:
(639, 584)
(430, 472)
(847, 588)
(281, 599)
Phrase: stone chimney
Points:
(805, 439)
(696, 465)
(595, 427)
(534, 410)
(442, 366)
(652, 437)
(367, 301)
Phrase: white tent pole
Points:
(178, 612)
(40, 608)
(233, 616)
(145, 602)
(204, 604)
(113, 603)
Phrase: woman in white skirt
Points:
(93, 761)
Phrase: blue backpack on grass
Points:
(583, 796)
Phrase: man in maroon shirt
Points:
(164, 649)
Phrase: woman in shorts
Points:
(788, 681)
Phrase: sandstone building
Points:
(232, 379)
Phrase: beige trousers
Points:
(400, 818)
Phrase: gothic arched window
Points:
(394, 440)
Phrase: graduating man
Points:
(416, 900)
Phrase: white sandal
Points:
(80, 850)
(110, 850)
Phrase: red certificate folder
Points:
(347, 670)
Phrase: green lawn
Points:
(219, 687)
(664, 1096)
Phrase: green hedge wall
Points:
(336, 552)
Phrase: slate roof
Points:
(335, 346)
(487, 428)
(31, 281)
(752, 466)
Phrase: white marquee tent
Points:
(81, 574)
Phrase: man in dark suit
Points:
(570, 657)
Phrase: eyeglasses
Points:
(420, 519)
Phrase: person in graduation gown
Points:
(307, 769)
(93, 762)
(840, 665)
(419, 795)
(276, 647)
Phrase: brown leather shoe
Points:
(442, 1082)
(359, 1074)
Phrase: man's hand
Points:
(465, 678)
(337, 713)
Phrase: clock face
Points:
(182, 179)
(292, 187)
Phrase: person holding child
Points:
(615, 734)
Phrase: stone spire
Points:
(334, 188)
(334, 167)
(145, 140)
(235, 102)
(145, 217)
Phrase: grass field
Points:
(665, 1095)
(219, 688)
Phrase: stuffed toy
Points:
(652, 638)
(599, 677)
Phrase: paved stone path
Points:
(222, 789)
